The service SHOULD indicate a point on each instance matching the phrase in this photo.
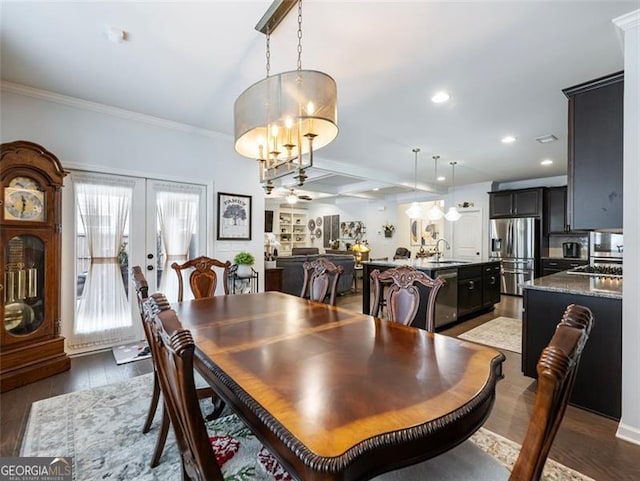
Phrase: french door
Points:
(120, 222)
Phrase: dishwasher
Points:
(447, 298)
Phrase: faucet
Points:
(446, 244)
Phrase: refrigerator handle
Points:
(510, 238)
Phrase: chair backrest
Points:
(321, 280)
(399, 286)
(203, 278)
(141, 286)
(556, 375)
(402, 253)
(173, 347)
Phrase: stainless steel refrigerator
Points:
(513, 242)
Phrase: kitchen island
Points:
(599, 377)
(471, 287)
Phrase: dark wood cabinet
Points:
(273, 279)
(515, 203)
(490, 284)
(555, 210)
(469, 289)
(31, 347)
(598, 385)
(553, 266)
(596, 153)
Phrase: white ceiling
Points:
(504, 63)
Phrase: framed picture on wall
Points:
(414, 232)
(234, 216)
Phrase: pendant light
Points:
(452, 214)
(415, 211)
(435, 212)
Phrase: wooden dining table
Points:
(336, 394)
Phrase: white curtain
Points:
(177, 219)
(103, 314)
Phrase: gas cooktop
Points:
(598, 271)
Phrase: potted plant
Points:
(388, 229)
(244, 260)
(271, 245)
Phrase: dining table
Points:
(336, 394)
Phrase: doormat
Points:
(501, 332)
(101, 429)
(135, 351)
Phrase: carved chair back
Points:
(173, 349)
(399, 286)
(321, 280)
(402, 253)
(556, 369)
(203, 278)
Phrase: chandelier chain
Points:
(299, 34)
(268, 54)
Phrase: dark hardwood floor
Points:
(586, 441)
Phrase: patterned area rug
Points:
(501, 332)
(101, 429)
(135, 351)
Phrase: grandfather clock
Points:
(31, 347)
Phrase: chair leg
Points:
(218, 403)
(153, 406)
(162, 438)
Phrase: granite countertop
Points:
(428, 263)
(578, 284)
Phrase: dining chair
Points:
(321, 280)
(203, 279)
(402, 253)
(202, 457)
(159, 304)
(556, 369)
(398, 289)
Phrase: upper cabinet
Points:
(515, 203)
(555, 210)
(595, 153)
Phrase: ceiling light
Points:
(440, 97)
(546, 162)
(545, 139)
(292, 198)
(509, 139)
(415, 211)
(376, 189)
(452, 214)
(282, 119)
(116, 35)
(435, 212)
(441, 178)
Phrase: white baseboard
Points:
(628, 433)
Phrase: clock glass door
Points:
(24, 280)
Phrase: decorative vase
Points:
(244, 270)
(269, 264)
(388, 233)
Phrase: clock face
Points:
(23, 204)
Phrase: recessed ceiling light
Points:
(508, 139)
(545, 139)
(376, 189)
(441, 178)
(546, 162)
(440, 97)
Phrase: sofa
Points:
(293, 271)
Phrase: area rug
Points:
(101, 429)
(501, 332)
(135, 351)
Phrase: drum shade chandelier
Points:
(282, 119)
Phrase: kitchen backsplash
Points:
(555, 245)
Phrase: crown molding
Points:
(109, 110)
(628, 20)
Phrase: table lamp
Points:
(359, 248)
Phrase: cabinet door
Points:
(526, 202)
(500, 204)
(555, 210)
(469, 295)
(595, 155)
(490, 285)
